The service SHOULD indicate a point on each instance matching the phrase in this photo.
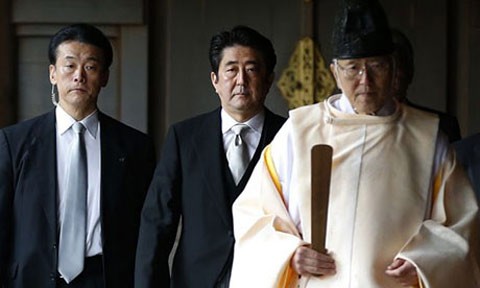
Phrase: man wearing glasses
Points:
(401, 213)
(365, 83)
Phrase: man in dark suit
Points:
(36, 190)
(404, 60)
(193, 180)
(468, 153)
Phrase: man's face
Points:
(242, 82)
(365, 81)
(79, 74)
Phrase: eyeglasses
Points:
(353, 70)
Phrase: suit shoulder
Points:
(465, 149)
(27, 126)
(117, 124)
(274, 120)
(274, 116)
(468, 143)
(198, 121)
(124, 131)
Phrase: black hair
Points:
(84, 33)
(243, 36)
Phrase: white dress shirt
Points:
(64, 138)
(250, 136)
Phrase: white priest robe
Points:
(393, 194)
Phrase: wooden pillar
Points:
(158, 13)
(7, 66)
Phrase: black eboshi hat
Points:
(361, 30)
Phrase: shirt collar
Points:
(65, 121)
(345, 106)
(255, 123)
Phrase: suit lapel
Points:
(40, 160)
(270, 128)
(208, 145)
(113, 160)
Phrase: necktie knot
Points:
(238, 129)
(78, 127)
(237, 154)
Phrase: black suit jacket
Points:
(192, 181)
(28, 197)
(468, 153)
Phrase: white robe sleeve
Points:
(265, 234)
(446, 244)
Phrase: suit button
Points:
(230, 233)
(52, 276)
(54, 246)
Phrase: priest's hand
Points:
(403, 272)
(308, 262)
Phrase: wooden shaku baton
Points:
(321, 172)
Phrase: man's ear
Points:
(214, 79)
(52, 74)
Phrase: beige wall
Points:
(33, 22)
(445, 35)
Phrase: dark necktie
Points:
(237, 153)
(72, 231)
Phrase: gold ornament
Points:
(307, 79)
